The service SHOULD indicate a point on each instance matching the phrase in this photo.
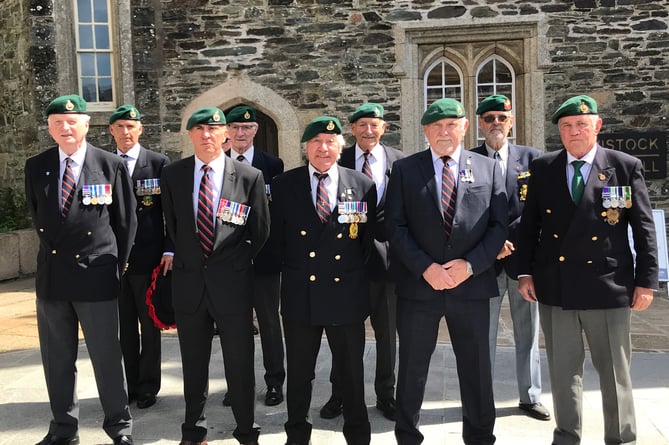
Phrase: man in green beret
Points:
(375, 159)
(446, 219)
(217, 216)
(323, 218)
(495, 123)
(242, 127)
(82, 204)
(574, 259)
(141, 346)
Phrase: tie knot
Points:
(445, 159)
(68, 161)
(577, 165)
(206, 168)
(320, 176)
(241, 158)
(124, 156)
(497, 155)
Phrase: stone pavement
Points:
(24, 411)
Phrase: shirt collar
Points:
(359, 152)
(78, 156)
(503, 152)
(133, 153)
(333, 173)
(455, 156)
(588, 158)
(248, 154)
(217, 165)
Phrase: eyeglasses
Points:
(491, 119)
(241, 127)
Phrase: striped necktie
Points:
(448, 191)
(205, 212)
(68, 188)
(322, 200)
(366, 168)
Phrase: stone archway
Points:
(240, 90)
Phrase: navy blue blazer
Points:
(578, 257)
(517, 177)
(415, 225)
(81, 257)
(379, 260)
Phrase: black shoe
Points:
(387, 407)
(51, 439)
(536, 410)
(273, 396)
(226, 399)
(332, 408)
(146, 400)
(123, 440)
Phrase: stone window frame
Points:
(420, 44)
(65, 23)
(496, 58)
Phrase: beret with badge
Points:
(322, 124)
(496, 102)
(575, 106)
(242, 113)
(125, 112)
(70, 104)
(442, 109)
(207, 116)
(369, 109)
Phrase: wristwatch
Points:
(470, 271)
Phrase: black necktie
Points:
(366, 168)
(448, 190)
(322, 200)
(205, 212)
(68, 187)
(577, 183)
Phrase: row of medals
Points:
(352, 212)
(96, 194)
(614, 199)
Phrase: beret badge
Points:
(69, 106)
(584, 107)
(330, 126)
(133, 114)
(507, 104)
(216, 117)
(247, 115)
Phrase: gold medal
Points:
(612, 216)
(147, 200)
(523, 192)
(353, 231)
(94, 200)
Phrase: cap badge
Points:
(69, 106)
(133, 114)
(460, 110)
(507, 104)
(377, 113)
(584, 108)
(247, 115)
(330, 126)
(216, 117)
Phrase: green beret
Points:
(70, 104)
(126, 112)
(242, 113)
(441, 109)
(206, 115)
(369, 109)
(575, 106)
(322, 124)
(496, 102)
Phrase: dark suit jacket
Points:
(270, 166)
(80, 258)
(415, 225)
(517, 169)
(323, 278)
(150, 240)
(379, 261)
(224, 277)
(577, 259)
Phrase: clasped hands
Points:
(446, 276)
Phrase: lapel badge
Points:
(601, 176)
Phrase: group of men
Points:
(357, 232)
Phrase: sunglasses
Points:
(491, 119)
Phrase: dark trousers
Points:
(196, 331)
(140, 343)
(468, 325)
(347, 343)
(383, 316)
(58, 324)
(266, 304)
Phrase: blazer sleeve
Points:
(123, 213)
(643, 232)
(259, 219)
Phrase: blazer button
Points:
(603, 214)
(41, 229)
(312, 278)
(77, 256)
(303, 232)
(589, 261)
(337, 257)
(555, 235)
(340, 236)
(337, 279)
(53, 252)
(561, 258)
(549, 211)
(312, 254)
(89, 233)
(594, 238)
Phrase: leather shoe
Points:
(273, 396)
(146, 400)
(190, 442)
(387, 407)
(332, 408)
(123, 440)
(536, 410)
(52, 439)
(226, 399)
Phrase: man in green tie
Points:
(575, 259)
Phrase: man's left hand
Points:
(457, 269)
(643, 297)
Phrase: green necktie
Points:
(577, 183)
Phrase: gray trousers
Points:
(57, 324)
(608, 334)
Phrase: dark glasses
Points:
(491, 119)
